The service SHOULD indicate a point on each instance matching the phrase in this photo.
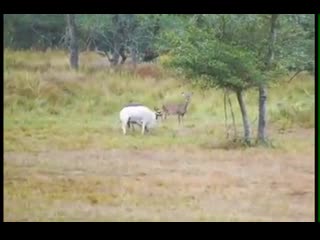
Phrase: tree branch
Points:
(294, 75)
(102, 53)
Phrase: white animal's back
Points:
(148, 117)
(137, 112)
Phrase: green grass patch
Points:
(49, 106)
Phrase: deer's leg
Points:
(182, 118)
(179, 118)
(164, 110)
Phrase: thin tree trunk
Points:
(225, 113)
(262, 113)
(72, 31)
(116, 40)
(134, 57)
(235, 134)
(115, 55)
(123, 55)
(245, 118)
(263, 94)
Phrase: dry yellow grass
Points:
(160, 185)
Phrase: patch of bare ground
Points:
(159, 185)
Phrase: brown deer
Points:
(179, 109)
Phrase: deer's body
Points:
(179, 109)
(141, 115)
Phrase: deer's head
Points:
(187, 96)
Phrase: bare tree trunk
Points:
(116, 40)
(262, 113)
(134, 57)
(123, 55)
(235, 134)
(245, 118)
(225, 113)
(263, 94)
(115, 55)
(72, 31)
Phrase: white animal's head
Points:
(158, 113)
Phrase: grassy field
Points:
(66, 159)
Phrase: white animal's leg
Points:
(132, 126)
(124, 128)
(143, 128)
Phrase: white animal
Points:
(140, 114)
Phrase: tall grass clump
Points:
(294, 103)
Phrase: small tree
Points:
(263, 88)
(114, 36)
(218, 64)
(276, 44)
